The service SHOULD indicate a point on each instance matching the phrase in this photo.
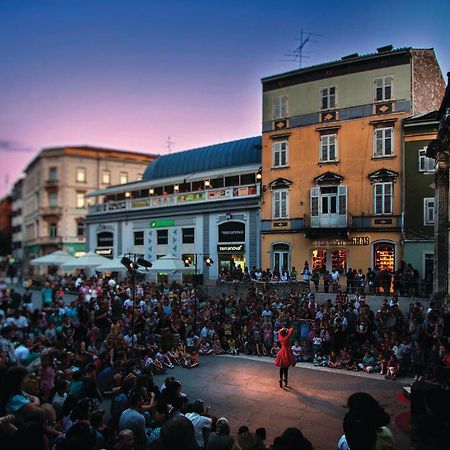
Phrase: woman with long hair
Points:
(285, 357)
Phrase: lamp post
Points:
(187, 262)
(132, 261)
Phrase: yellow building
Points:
(333, 161)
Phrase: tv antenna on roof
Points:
(298, 54)
(169, 145)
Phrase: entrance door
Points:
(329, 202)
(280, 258)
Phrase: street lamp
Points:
(132, 262)
(188, 262)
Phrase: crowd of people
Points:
(404, 281)
(62, 362)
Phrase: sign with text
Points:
(356, 240)
(230, 248)
(232, 232)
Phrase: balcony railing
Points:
(51, 183)
(180, 198)
(50, 211)
(328, 221)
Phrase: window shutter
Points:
(276, 204)
(342, 192)
(283, 202)
(378, 142)
(378, 199)
(388, 141)
(276, 154)
(276, 105)
(332, 147)
(283, 153)
(284, 106)
(332, 102)
(387, 198)
(323, 148)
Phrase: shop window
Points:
(138, 238)
(384, 256)
(319, 260)
(162, 237)
(188, 235)
(339, 260)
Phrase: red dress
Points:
(285, 357)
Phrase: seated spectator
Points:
(220, 439)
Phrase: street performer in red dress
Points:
(285, 357)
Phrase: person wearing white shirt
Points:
(21, 353)
(202, 424)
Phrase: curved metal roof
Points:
(227, 154)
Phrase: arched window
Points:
(280, 257)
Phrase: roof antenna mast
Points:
(299, 54)
(169, 145)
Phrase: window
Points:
(52, 230)
(80, 200)
(383, 194)
(328, 147)
(53, 199)
(383, 143)
(81, 175)
(80, 228)
(53, 174)
(123, 177)
(383, 89)
(280, 154)
(280, 204)
(280, 107)
(138, 238)
(162, 237)
(425, 164)
(328, 97)
(139, 176)
(106, 177)
(428, 211)
(188, 235)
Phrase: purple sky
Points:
(129, 73)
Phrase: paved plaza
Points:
(247, 393)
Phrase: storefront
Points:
(231, 246)
(384, 255)
(330, 259)
(105, 244)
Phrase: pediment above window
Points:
(329, 178)
(383, 175)
(280, 183)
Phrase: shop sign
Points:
(279, 224)
(356, 240)
(184, 198)
(230, 248)
(104, 251)
(232, 232)
(162, 223)
(105, 239)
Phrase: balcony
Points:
(50, 211)
(51, 184)
(181, 198)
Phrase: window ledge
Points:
(280, 167)
(324, 163)
(374, 158)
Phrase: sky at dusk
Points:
(127, 74)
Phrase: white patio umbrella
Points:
(169, 263)
(53, 259)
(112, 265)
(88, 261)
